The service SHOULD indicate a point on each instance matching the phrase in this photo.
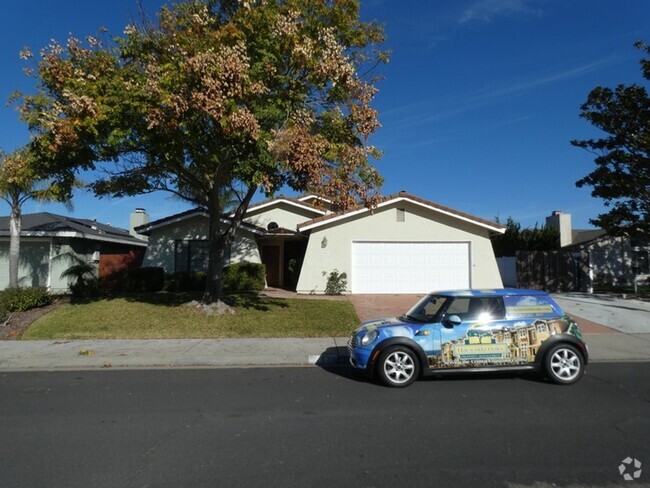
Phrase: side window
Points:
(494, 308)
(477, 308)
(460, 307)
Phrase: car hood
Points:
(385, 322)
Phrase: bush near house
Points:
(185, 281)
(145, 279)
(337, 283)
(244, 276)
(22, 299)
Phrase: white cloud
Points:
(488, 10)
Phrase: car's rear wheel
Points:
(398, 366)
(564, 364)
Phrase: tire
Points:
(398, 367)
(564, 364)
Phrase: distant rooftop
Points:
(45, 224)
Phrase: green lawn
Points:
(163, 315)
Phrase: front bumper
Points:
(359, 356)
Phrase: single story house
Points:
(404, 245)
(50, 243)
(611, 260)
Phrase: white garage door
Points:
(409, 267)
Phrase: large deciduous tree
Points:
(622, 174)
(21, 180)
(216, 95)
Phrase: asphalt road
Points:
(309, 427)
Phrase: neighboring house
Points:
(404, 245)
(610, 260)
(49, 243)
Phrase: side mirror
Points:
(451, 321)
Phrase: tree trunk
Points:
(15, 225)
(217, 248)
(219, 240)
(213, 282)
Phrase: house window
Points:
(640, 261)
(401, 215)
(191, 256)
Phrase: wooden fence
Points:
(552, 271)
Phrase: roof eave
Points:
(343, 216)
(79, 235)
(147, 228)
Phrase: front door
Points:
(271, 260)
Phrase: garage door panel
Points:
(409, 267)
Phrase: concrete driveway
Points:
(594, 314)
(615, 313)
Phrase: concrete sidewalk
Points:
(615, 329)
(221, 353)
(169, 353)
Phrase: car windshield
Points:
(427, 309)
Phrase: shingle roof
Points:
(579, 236)
(194, 212)
(45, 224)
(403, 196)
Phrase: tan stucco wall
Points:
(285, 215)
(160, 252)
(420, 225)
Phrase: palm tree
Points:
(20, 182)
(82, 274)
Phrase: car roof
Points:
(489, 293)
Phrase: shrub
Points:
(22, 299)
(185, 281)
(244, 276)
(337, 283)
(145, 279)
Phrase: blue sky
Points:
(479, 102)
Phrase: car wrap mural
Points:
(498, 344)
(512, 340)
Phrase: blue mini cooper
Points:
(472, 331)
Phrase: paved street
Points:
(311, 427)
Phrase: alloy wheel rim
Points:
(565, 364)
(399, 367)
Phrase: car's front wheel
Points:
(398, 366)
(564, 364)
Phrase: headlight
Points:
(369, 337)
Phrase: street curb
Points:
(238, 353)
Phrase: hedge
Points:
(185, 281)
(22, 299)
(145, 279)
(244, 276)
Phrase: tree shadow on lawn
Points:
(244, 300)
